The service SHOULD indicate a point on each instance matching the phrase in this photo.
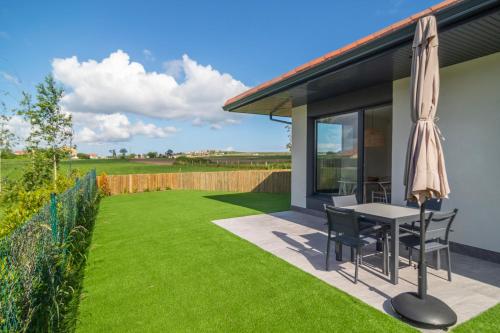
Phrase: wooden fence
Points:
(273, 181)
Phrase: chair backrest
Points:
(342, 221)
(437, 226)
(430, 204)
(344, 200)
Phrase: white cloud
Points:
(99, 128)
(118, 85)
(19, 127)
(216, 126)
(148, 55)
(174, 68)
(10, 78)
(116, 127)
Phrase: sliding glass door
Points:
(377, 153)
(353, 154)
(337, 154)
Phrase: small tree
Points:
(169, 153)
(7, 138)
(152, 154)
(289, 132)
(51, 128)
(123, 151)
(113, 152)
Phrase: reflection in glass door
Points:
(354, 161)
(337, 154)
(377, 154)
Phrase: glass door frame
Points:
(361, 148)
(360, 143)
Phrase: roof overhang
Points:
(467, 30)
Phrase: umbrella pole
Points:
(422, 265)
(419, 308)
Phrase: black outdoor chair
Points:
(430, 204)
(345, 223)
(340, 201)
(437, 231)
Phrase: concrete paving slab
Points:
(300, 239)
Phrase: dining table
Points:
(394, 216)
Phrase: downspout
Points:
(278, 120)
(271, 114)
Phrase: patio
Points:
(300, 239)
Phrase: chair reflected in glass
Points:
(380, 189)
(383, 195)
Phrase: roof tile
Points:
(315, 62)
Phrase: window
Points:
(337, 154)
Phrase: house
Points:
(71, 151)
(350, 115)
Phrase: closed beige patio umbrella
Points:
(425, 174)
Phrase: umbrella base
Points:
(427, 312)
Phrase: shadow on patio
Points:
(300, 239)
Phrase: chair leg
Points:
(437, 255)
(386, 255)
(356, 264)
(360, 254)
(380, 240)
(448, 259)
(338, 251)
(410, 255)
(327, 252)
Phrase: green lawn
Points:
(488, 321)
(13, 168)
(158, 264)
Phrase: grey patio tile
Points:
(300, 239)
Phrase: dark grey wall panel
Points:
(375, 95)
(353, 101)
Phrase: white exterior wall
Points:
(299, 158)
(469, 118)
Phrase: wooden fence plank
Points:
(273, 181)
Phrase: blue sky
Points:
(150, 75)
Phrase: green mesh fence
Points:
(41, 261)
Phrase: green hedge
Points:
(42, 262)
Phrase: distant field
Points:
(260, 156)
(13, 168)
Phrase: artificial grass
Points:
(486, 322)
(158, 264)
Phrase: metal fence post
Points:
(53, 215)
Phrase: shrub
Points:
(104, 187)
(184, 160)
(42, 261)
(21, 203)
(8, 154)
(83, 156)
